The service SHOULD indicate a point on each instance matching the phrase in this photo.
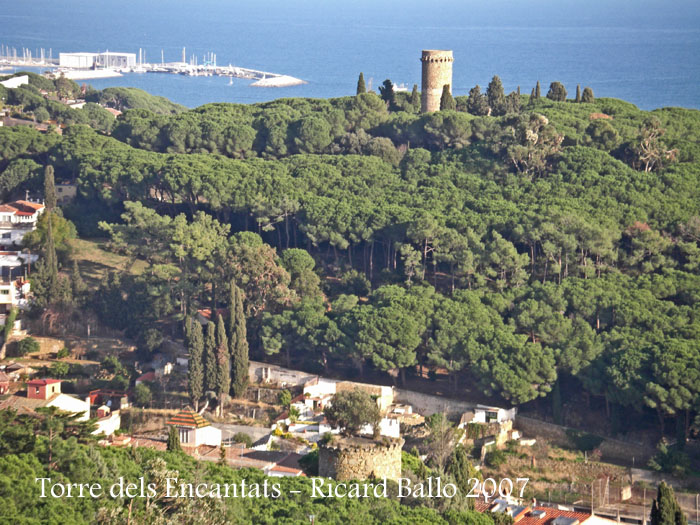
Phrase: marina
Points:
(87, 66)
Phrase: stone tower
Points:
(437, 71)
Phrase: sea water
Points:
(643, 51)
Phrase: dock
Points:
(109, 64)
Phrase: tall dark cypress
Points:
(415, 98)
(446, 100)
(238, 343)
(578, 92)
(538, 92)
(223, 376)
(195, 371)
(665, 509)
(211, 368)
(361, 88)
(49, 189)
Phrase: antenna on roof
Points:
(26, 195)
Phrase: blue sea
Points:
(646, 52)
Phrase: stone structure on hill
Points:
(346, 458)
(437, 72)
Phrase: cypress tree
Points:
(518, 91)
(496, 96)
(238, 343)
(76, 280)
(446, 100)
(587, 96)
(211, 368)
(578, 92)
(665, 509)
(173, 440)
(223, 378)
(557, 92)
(532, 94)
(415, 98)
(361, 88)
(52, 284)
(49, 189)
(538, 92)
(195, 372)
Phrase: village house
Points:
(532, 514)
(47, 393)
(16, 220)
(194, 430)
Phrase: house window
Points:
(184, 436)
(60, 190)
(6, 235)
(5, 291)
(36, 389)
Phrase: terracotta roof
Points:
(43, 382)
(279, 468)
(5, 208)
(188, 418)
(21, 402)
(550, 515)
(148, 376)
(29, 204)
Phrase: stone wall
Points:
(611, 449)
(436, 72)
(265, 373)
(427, 404)
(360, 458)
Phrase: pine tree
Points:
(361, 88)
(557, 92)
(173, 440)
(49, 189)
(386, 91)
(415, 98)
(538, 92)
(211, 369)
(476, 104)
(447, 102)
(578, 93)
(587, 96)
(238, 343)
(223, 378)
(195, 372)
(665, 509)
(496, 96)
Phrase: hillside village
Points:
(147, 315)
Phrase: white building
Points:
(47, 393)
(77, 60)
(107, 60)
(115, 60)
(14, 288)
(194, 430)
(16, 220)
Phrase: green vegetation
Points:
(57, 447)
(351, 411)
(528, 246)
(665, 509)
(28, 345)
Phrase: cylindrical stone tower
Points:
(437, 71)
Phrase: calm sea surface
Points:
(646, 52)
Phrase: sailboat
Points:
(230, 81)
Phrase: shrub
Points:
(28, 345)
(496, 458)
(241, 437)
(62, 353)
